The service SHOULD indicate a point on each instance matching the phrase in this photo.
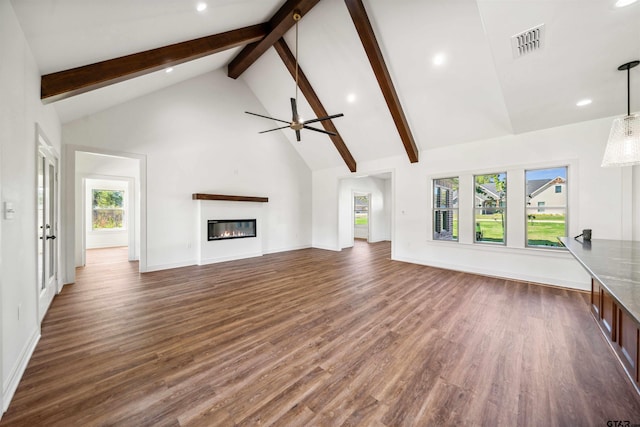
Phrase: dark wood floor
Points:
(319, 338)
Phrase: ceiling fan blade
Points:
(298, 135)
(320, 119)
(294, 110)
(271, 130)
(267, 117)
(320, 130)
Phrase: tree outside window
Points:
(108, 210)
(490, 207)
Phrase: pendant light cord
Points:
(628, 90)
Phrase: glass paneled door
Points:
(47, 228)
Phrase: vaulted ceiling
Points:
(478, 90)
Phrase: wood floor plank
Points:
(315, 337)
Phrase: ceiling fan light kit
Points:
(296, 123)
(623, 146)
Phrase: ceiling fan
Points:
(296, 123)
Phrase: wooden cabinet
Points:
(596, 302)
(627, 343)
(604, 309)
(608, 311)
(621, 330)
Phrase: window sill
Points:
(501, 248)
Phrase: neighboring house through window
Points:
(445, 209)
(546, 207)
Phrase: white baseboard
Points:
(293, 248)
(10, 386)
(229, 258)
(501, 274)
(326, 248)
(158, 267)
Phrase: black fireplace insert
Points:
(222, 229)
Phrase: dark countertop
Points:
(615, 264)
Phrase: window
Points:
(490, 207)
(108, 210)
(546, 208)
(361, 210)
(445, 209)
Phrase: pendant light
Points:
(623, 147)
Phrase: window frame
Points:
(454, 210)
(356, 210)
(501, 204)
(123, 209)
(566, 194)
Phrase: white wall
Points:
(602, 199)
(20, 110)
(379, 205)
(197, 139)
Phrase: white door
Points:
(47, 228)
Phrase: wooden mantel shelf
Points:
(201, 196)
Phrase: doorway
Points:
(365, 209)
(88, 163)
(107, 203)
(47, 207)
(361, 209)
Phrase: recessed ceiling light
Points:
(439, 59)
(583, 102)
(168, 70)
(201, 7)
(623, 3)
(351, 98)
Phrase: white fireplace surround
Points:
(210, 252)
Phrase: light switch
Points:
(9, 211)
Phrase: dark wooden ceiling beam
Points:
(371, 47)
(67, 83)
(279, 24)
(307, 90)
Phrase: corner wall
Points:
(602, 199)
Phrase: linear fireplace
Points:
(223, 229)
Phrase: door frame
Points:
(69, 166)
(46, 149)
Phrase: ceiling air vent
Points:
(528, 41)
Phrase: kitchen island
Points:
(614, 266)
